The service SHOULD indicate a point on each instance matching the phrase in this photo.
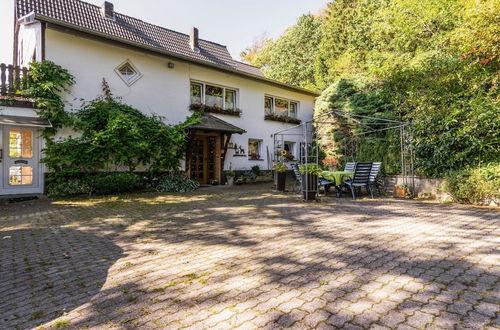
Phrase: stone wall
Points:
(424, 187)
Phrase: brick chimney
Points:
(193, 39)
(107, 10)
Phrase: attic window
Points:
(128, 72)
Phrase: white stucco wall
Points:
(165, 91)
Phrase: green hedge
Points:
(479, 185)
(176, 183)
(95, 184)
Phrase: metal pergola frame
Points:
(309, 152)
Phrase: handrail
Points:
(11, 79)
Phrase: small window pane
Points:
(20, 175)
(230, 99)
(254, 148)
(213, 96)
(20, 143)
(268, 105)
(127, 71)
(293, 109)
(281, 107)
(289, 147)
(196, 93)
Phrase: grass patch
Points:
(61, 324)
(37, 315)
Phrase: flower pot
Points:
(280, 181)
(230, 180)
(309, 186)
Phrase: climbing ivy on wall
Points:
(45, 83)
(110, 135)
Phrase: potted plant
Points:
(280, 169)
(310, 174)
(254, 156)
(330, 163)
(401, 190)
(230, 177)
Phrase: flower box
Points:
(215, 109)
(284, 119)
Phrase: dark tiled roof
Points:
(212, 123)
(86, 16)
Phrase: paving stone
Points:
(487, 309)
(339, 319)
(419, 320)
(316, 317)
(392, 319)
(447, 320)
(226, 257)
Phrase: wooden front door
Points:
(204, 159)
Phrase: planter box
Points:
(309, 186)
(283, 119)
(280, 181)
(206, 108)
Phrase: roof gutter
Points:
(175, 55)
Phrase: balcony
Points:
(11, 82)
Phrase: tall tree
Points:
(291, 57)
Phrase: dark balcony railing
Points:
(11, 79)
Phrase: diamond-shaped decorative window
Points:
(128, 72)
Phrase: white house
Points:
(153, 69)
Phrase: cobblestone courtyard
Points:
(246, 257)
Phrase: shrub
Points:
(68, 187)
(310, 169)
(176, 183)
(95, 184)
(479, 185)
(230, 174)
(111, 183)
(249, 176)
(256, 170)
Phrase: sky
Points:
(234, 23)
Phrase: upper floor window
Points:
(280, 106)
(214, 96)
(128, 72)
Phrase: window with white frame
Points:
(280, 106)
(213, 95)
(128, 72)
(254, 149)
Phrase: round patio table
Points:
(337, 177)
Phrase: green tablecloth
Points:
(338, 176)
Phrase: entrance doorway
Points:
(204, 158)
(19, 161)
